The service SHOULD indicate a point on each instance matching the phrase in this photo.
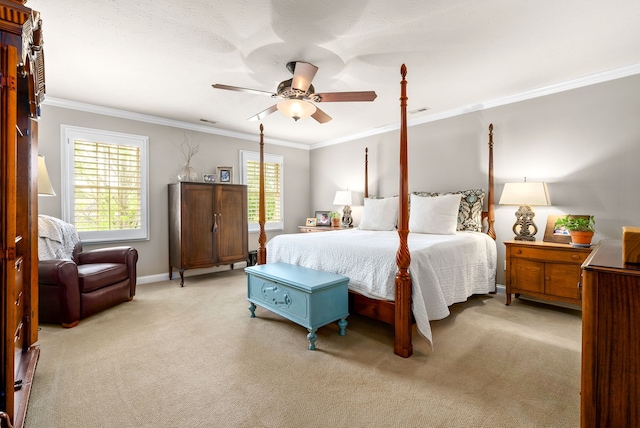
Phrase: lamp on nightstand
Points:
(44, 183)
(346, 198)
(525, 194)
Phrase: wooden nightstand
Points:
(544, 270)
(311, 229)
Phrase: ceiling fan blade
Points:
(321, 116)
(264, 113)
(303, 74)
(332, 97)
(238, 89)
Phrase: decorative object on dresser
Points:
(23, 90)
(346, 198)
(225, 174)
(610, 381)
(44, 183)
(335, 218)
(525, 194)
(207, 226)
(631, 244)
(322, 218)
(188, 149)
(581, 228)
(209, 178)
(311, 222)
(544, 270)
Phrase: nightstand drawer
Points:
(546, 254)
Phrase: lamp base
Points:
(347, 220)
(524, 227)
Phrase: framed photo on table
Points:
(311, 221)
(322, 218)
(225, 174)
(209, 178)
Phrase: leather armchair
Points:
(71, 290)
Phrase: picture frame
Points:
(225, 174)
(209, 178)
(560, 235)
(322, 218)
(311, 221)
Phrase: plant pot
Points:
(335, 222)
(580, 237)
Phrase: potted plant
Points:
(335, 218)
(581, 228)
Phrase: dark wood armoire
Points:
(207, 226)
(22, 91)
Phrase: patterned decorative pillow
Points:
(470, 213)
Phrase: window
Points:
(250, 173)
(105, 184)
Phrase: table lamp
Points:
(346, 198)
(525, 194)
(44, 183)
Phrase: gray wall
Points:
(585, 143)
(165, 160)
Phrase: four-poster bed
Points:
(469, 255)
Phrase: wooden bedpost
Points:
(366, 172)
(491, 218)
(262, 237)
(402, 345)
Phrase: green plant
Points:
(334, 214)
(580, 224)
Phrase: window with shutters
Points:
(250, 172)
(105, 184)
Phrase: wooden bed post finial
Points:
(402, 343)
(366, 172)
(262, 236)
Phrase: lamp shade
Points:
(526, 193)
(296, 109)
(44, 183)
(347, 197)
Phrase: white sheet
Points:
(445, 269)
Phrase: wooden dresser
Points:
(314, 229)
(610, 395)
(544, 270)
(208, 226)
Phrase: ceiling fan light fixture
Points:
(296, 109)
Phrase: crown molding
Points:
(123, 114)
(581, 82)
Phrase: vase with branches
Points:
(188, 150)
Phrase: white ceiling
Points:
(160, 57)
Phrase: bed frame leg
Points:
(402, 345)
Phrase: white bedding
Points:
(445, 269)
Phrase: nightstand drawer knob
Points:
(575, 257)
(518, 251)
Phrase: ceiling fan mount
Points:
(298, 95)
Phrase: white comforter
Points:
(444, 269)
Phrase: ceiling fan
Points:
(298, 95)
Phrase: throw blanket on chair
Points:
(56, 238)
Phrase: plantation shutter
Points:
(272, 191)
(107, 187)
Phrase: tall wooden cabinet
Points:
(610, 389)
(207, 226)
(22, 90)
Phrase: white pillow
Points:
(379, 214)
(434, 214)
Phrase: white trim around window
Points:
(121, 173)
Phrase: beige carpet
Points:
(192, 357)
